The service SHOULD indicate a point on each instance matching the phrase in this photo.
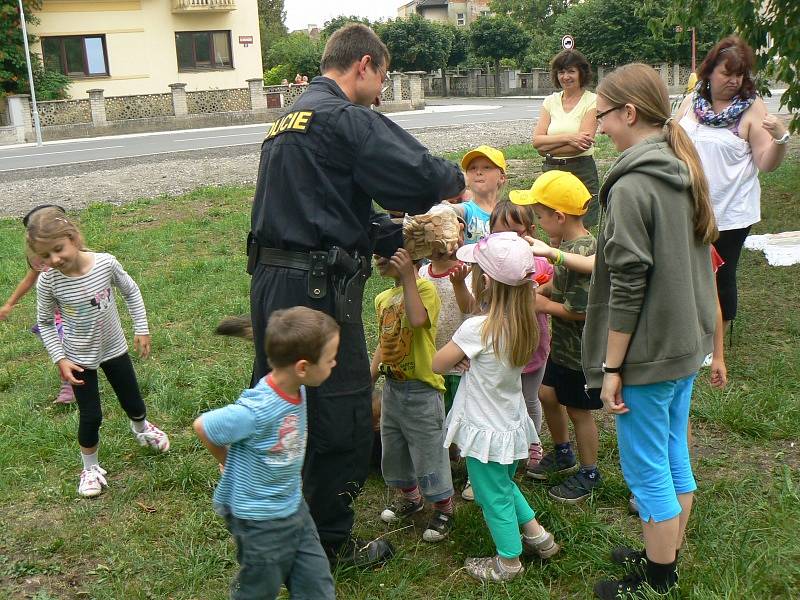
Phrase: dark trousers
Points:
(339, 411)
(585, 169)
(277, 552)
(729, 245)
(120, 374)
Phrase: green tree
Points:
(50, 85)
(536, 16)
(459, 49)
(416, 44)
(271, 24)
(339, 22)
(615, 32)
(495, 38)
(758, 23)
(298, 53)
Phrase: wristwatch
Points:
(782, 140)
(607, 369)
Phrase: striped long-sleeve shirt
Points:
(92, 329)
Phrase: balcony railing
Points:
(183, 6)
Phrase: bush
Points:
(277, 74)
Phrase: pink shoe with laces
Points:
(534, 456)
(153, 437)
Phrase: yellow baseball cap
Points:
(492, 154)
(559, 190)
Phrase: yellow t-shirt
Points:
(569, 122)
(406, 352)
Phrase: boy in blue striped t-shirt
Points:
(260, 443)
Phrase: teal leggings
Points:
(504, 506)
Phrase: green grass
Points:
(154, 535)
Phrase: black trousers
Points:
(120, 374)
(729, 245)
(339, 411)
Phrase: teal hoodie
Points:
(652, 277)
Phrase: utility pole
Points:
(36, 124)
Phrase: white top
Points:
(92, 330)
(450, 315)
(488, 421)
(732, 175)
(569, 122)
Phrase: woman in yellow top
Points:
(564, 134)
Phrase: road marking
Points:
(58, 152)
(216, 137)
(91, 160)
(472, 115)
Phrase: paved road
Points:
(439, 113)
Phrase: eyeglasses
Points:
(384, 75)
(600, 115)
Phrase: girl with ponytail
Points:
(650, 319)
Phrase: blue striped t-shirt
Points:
(265, 430)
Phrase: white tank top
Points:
(732, 175)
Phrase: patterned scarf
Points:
(706, 115)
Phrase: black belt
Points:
(551, 160)
(286, 258)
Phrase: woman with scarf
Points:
(736, 138)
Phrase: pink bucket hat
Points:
(504, 256)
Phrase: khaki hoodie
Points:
(652, 278)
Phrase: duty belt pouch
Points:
(318, 275)
(349, 302)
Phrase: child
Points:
(260, 443)
(508, 216)
(489, 421)
(414, 459)
(485, 169)
(559, 201)
(36, 266)
(79, 285)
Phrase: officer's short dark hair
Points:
(297, 333)
(571, 58)
(349, 44)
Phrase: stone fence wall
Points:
(176, 109)
(477, 82)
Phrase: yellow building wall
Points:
(140, 43)
(436, 13)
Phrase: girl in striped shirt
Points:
(79, 284)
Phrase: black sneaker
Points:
(361, 554)
(576, 488)
(553, 463)
(633, 586)
(401, 509)
(633, 560)
(438, 527)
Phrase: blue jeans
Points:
(277, 552)
(653, 446)
(412, 436)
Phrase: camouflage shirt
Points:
(572, 290)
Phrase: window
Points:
(76, 55)
(460, 19)
(199, 50)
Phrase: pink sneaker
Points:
(152, 436)
(92, 482)
(534, 456)
(65, 394)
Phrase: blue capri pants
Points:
(653, 446)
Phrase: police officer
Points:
(321, 166)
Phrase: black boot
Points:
(360, 553)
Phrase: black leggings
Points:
(729, 245)
(120, 374)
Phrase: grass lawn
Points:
(153, 535)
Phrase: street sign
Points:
(568, 42)
(245, 40)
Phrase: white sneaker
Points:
(152, 436)
(467, 494)
(92, 482)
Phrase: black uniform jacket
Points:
(324, 162)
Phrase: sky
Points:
(300, 13)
